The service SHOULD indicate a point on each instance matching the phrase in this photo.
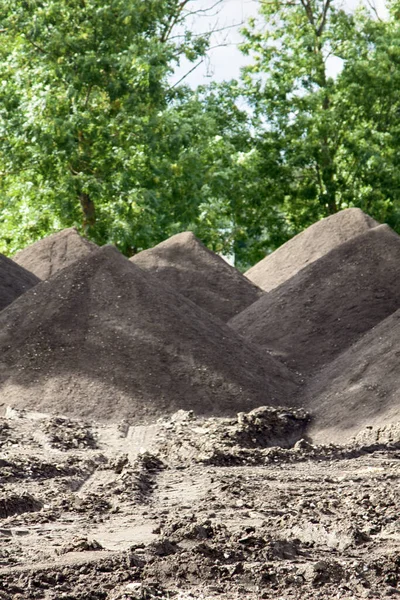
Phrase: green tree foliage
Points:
(83, 86)
(93, 134)
(335, 139)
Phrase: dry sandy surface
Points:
(196, 508)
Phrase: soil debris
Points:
(305, 522)
(81, 545)
(186, 438)
(54, 252)
(65, 434)
(191, 269)
(308, 246)
(17, 505)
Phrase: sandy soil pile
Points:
(191, 269)
(320, 312)
(361, 388)
(308, 246)
(14, 281)
(52, 253)
(106, 339)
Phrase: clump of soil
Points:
(54, 252)
(308, 246)
(191, 269)
(134, 480)
(187, 439)
(14, 281)
(65, 434)
(12, 504)
(360, 389)
(106, 339)
(81, 544)
(329, 305)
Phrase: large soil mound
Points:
(185, 264)
(14, 281)
(330, 304)
(55, 252)
(361, 388)
(308, 246)
(106, 339)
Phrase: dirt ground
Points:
(192, 508)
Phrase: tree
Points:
(94, 135)
(335, 138)
(83, 83)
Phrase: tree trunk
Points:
(88, 210)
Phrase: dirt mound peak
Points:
(106, 339)
(184, 263)
(14, 281)
(308, 246)
(329, 305)
(54, 252)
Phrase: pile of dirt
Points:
(14, 281)
(106, 339)
(191, 269)
(329, 305)
(186, 439)
(308, 246)
(54, 252)
(360, 389)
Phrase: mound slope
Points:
(106, 339)
(54, 252)
(308, 246)
(330, 304)
(360, 388)
(14, 281)
(191, 269)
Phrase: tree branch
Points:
(42, 50)
(320, 29)
(307, 7)
(173, 20)
(372, 6)
(186, 75)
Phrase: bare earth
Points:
(196, 508)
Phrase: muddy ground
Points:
(194, 508)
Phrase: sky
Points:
(225, 60)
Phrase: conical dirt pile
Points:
(360, 388)
(185, 264)
(330, 304)
(308, 246)
(106, 339)
(55, 252)
(14, 281)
